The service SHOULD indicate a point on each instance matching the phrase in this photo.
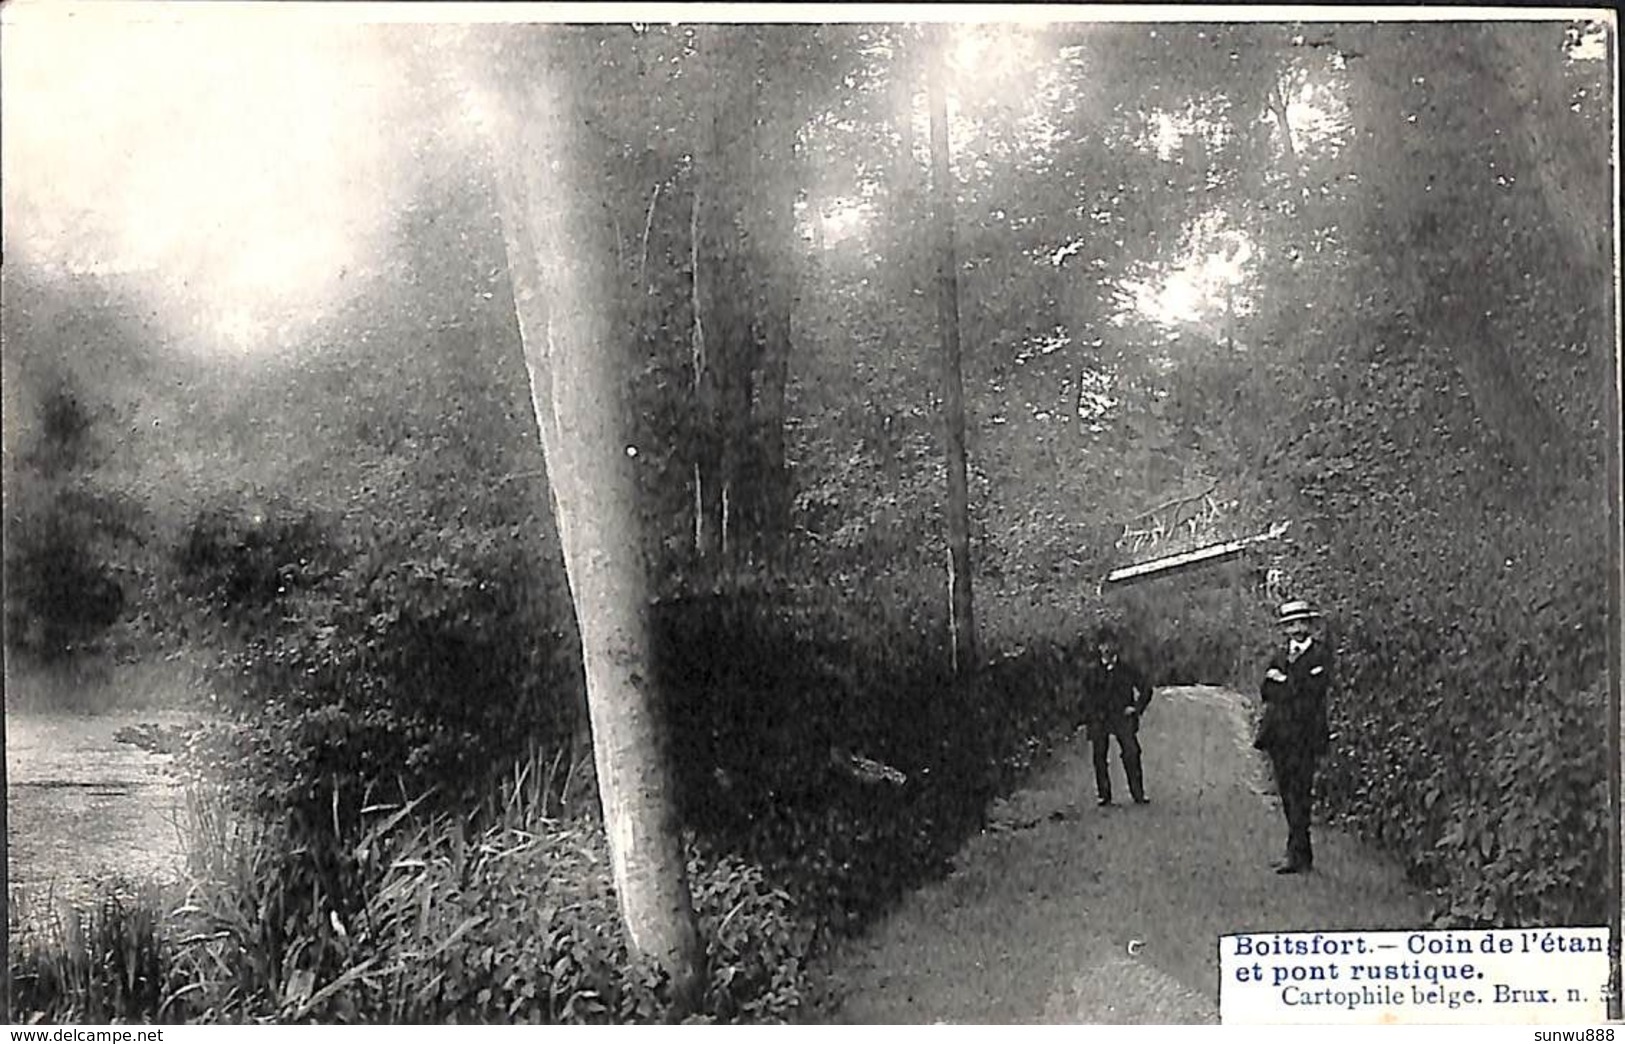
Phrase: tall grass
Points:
(105, 961)
(289, 930)
(506, 914)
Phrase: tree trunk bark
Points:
(702, 443)
(559, 268)
(723, 166)
(962, 615)
(775, 264)
(5, 891)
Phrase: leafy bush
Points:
(1469, 723)
(393, 660)
(771, 702)
(241, 563)
(1213, 627)
(65, 559)
(1535, 850)
(524, 928)
(1480, 763)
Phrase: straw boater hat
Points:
(1293, 611)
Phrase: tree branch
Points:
(648, 224)
(1277, 105)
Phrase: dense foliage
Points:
(516, 921)
(1395, 334)
(1467, 691)
(771, 707)
(427, 923)
(411, 663)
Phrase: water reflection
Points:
(83, 805)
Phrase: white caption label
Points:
(1513, 976)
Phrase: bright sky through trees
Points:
(254, 161)
(245, 160)
(985, 63)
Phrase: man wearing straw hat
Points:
(1293, 731)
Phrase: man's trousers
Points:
(1295, 782)
(1128, 745)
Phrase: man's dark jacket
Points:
(1295, 709)
(1108, 693)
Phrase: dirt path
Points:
(1062, 912)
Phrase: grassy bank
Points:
(508, 915)
(425, 918)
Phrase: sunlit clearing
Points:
(242, 163)
(1177, 299)
(984, 62)
(1318, 117)
(989, 51)
(1168, 131)
(843, 220)
(1201, 287)
(1165, 132)
(478, 108)
(240, 329)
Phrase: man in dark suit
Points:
(1293, 731)
(1115, 695)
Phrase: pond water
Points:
(82, 805)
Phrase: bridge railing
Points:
(1189, 530)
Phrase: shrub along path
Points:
(1036, 922)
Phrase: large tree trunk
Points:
(961, 614)
(559, 267)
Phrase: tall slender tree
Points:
(962, 619)
(742, 258)
(559, 264)
(773, 257)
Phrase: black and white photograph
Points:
(822, 515)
